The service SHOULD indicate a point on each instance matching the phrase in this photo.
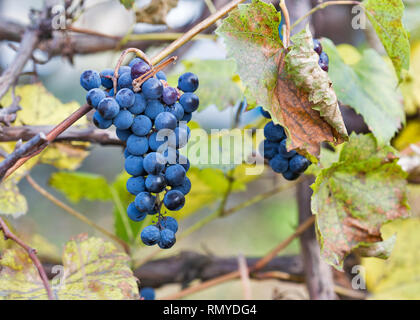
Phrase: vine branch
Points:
(32, 255)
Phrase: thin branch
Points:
(166, 36)
(322, 6)
(31, 253)
(236, 274)
(91, 33)
(8, 115)
(75, 213)
(285, 11)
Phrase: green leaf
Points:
(81, 185)
(386, 18)
(370, 88)
(303, 68)
(219, 85)
(128, 4)
(345, 198)
(252, 39)
(93, 269)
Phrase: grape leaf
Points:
(397, 277)
(252, 39)
(370, 88)
(93, 269)
(218, 82)
(81, 185)
(128, 4)
(345, 198)
(386, 18)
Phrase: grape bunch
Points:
(323, 57)
(153, 125)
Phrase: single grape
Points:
(125, 98)
(161, 75)
(152, 88)
(90, 79)
(124, 69)
(100, 122)
(106, 78)
(167, 239)
(135, 214)
(154, 163)
(123, 120)
(185, 187)
(189, 102)
(298, 164)
(147, 293)
(125, 81)
(176, 109)
(174, 200)
(134, 61)
(150, 235)
(154, 143)
(324, 61)
(169, 95)
(141, 125)
(175, 175)
(264, 113)
(188, 82)
(134, 165)
(317, 46)
(145, 202)
(135, 185)
(108, 108)
(155, 183)
(279, 164)
(290, 175)
(139, 69)
(94, 96)
(187, 117)
(169, 223)
(165, 120)
(139, 104)
(153, 108)
(137, 145)
(274, 132)
(283, 150)
(270, 149)
(123, 134)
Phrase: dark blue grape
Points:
(283, 150)
(125, 81)
(106, 78)
(152, 88)
(94, 96)
(175, 175)
(189, 101)
(317, 46)
(134, 165)
(324, 61)
(100, 122)
(177, 110)
(274, 132)
(187, 117)
(167, 239)
(123, 134)
(169, 95)
(153, 108)
(108, 108)
(188, 82)
(139, 69)
(125, 98)
(279, 164)
(145, 202)
(165, 120)
(139, 104)
(135, 214)
(137, 145)
(123, 120)
(134, 61)
(169, 223)
(135, 185)
(264, 113)
(161, 76)
(185, 187)
(141, 125)
(290, 175)
(150, 235)
(154, 143)
(90, 79)
(124, 69)
(270, 149)
(147, 293)
(155, 183)
(154, 163)
(298, 164)
(174, 200)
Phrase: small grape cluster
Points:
(152, 123)
(323, 57)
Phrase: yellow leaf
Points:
(410, 87)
